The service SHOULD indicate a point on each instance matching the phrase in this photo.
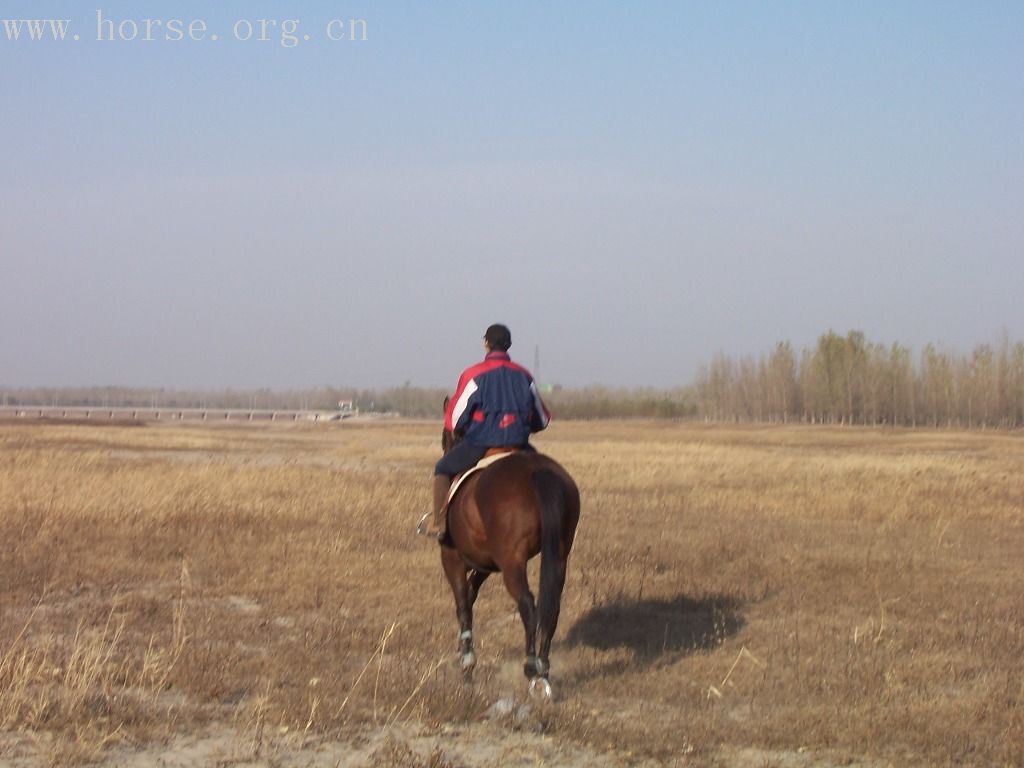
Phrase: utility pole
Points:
(536, 364)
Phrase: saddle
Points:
(492, 455)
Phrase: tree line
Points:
(407, 400)
(851, 380)
(840, 380)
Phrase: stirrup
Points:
(423, 528)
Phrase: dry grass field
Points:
(755, 597)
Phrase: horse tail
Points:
(551, 494)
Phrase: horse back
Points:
(495, 517)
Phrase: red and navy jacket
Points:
(496, 403)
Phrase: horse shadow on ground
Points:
(657, 632)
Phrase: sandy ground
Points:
(482, 744)
(499, 742)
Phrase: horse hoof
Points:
(467, 662)
(540, 688)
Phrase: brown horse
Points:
(500, 517)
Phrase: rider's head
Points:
(498, 338)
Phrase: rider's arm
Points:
(462, 403)
(539, 415)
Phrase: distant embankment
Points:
(98, 413)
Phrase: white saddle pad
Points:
(485, 462)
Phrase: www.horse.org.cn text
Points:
(287, 33)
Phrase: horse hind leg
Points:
(559, 512)
(519, 588)
(467, 655)
(464, 590)
(540, 685)
(476, 580)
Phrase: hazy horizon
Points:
(632, 190)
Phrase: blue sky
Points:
(631, 187)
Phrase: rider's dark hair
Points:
(498, 337)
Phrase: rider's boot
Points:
(433, 523)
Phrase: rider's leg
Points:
(432, 524)
(441, 485)
(458, 459)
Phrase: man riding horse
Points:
(496, 405)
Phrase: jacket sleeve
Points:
(461, 404)
(539, 416)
